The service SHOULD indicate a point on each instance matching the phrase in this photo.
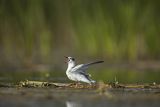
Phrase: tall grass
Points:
(41, 30)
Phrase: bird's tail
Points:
(93, 81)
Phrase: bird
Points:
(78, 73)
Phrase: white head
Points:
(71, 62)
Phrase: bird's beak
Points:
(66, 60)
(65, 56)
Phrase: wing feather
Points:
(83, 67)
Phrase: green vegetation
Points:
(107, 76)
(37, 31)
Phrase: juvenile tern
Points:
(78, 72)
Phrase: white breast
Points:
(71, 76)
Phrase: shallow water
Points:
(51, 97)
(40, 97)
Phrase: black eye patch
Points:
(72, 59)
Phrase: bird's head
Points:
(70, 61)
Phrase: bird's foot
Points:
(77, 84)
(71, 84)
(92, 85)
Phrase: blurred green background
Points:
(41, 32)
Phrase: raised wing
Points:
(78, 67)
(91, 63)
(83, 67)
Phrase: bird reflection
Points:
(73, 104)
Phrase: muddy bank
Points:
(48, 94)
(99, 85)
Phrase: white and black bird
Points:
(78, 72)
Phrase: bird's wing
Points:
(91, 63)
(77, 68)
(83, 67)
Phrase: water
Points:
(32, 97)
(58, 97)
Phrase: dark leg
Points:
(77, 83)
(74, 83)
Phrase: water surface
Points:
(57, 97)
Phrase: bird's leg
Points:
(77, 84)
(92, 85)
(74, 83)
